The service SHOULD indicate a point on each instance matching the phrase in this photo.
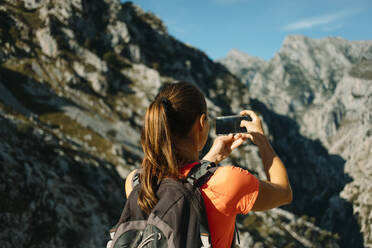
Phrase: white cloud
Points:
(319, 21)
(331, 28)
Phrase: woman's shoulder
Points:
(233, 176)
(232, 189)
(233, 170)
(129, 181)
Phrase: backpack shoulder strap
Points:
(198, 176)
(201, 172)
(136, 178)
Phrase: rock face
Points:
(75, 79)
(324, 89)
(235, 60)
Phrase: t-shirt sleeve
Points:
(233, 190)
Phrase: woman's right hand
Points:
(276, 190)
(254, 127)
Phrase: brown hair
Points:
(169, 116)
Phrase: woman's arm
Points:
(128, 183)
(276, 190)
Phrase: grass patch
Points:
(30, 18)
(362, 70)
(70, 127)
(116, 61)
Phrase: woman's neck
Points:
(187, 151)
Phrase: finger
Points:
(250, 113)
(246, 136)
(226, 138)
(242, 136)
(249, 136)
(245, 124)
(230, 137)
(236, 143)
(237, 136)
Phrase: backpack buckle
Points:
(205, 240)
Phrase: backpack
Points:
(178, 220)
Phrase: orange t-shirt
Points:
(230, 191)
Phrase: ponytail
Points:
(159, 153)
(170, 115)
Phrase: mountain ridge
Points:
(319, 84)
(76, 78)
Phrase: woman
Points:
(175, 131)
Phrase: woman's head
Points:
(169, 120)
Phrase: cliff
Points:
(325, 87)
(75, 79)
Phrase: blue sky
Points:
(258, 27)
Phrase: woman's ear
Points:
(203, 120)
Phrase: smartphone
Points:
(231, 124)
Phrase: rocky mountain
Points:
(75, 79)
(325, 87)
(242, 65)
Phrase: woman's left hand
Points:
(223, 146)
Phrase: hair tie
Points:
(166, 101)
(168, 106)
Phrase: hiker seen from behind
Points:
(177, 199)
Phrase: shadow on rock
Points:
(54, 196)
(317, 178)
(27, 96)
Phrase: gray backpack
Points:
(177, 220)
